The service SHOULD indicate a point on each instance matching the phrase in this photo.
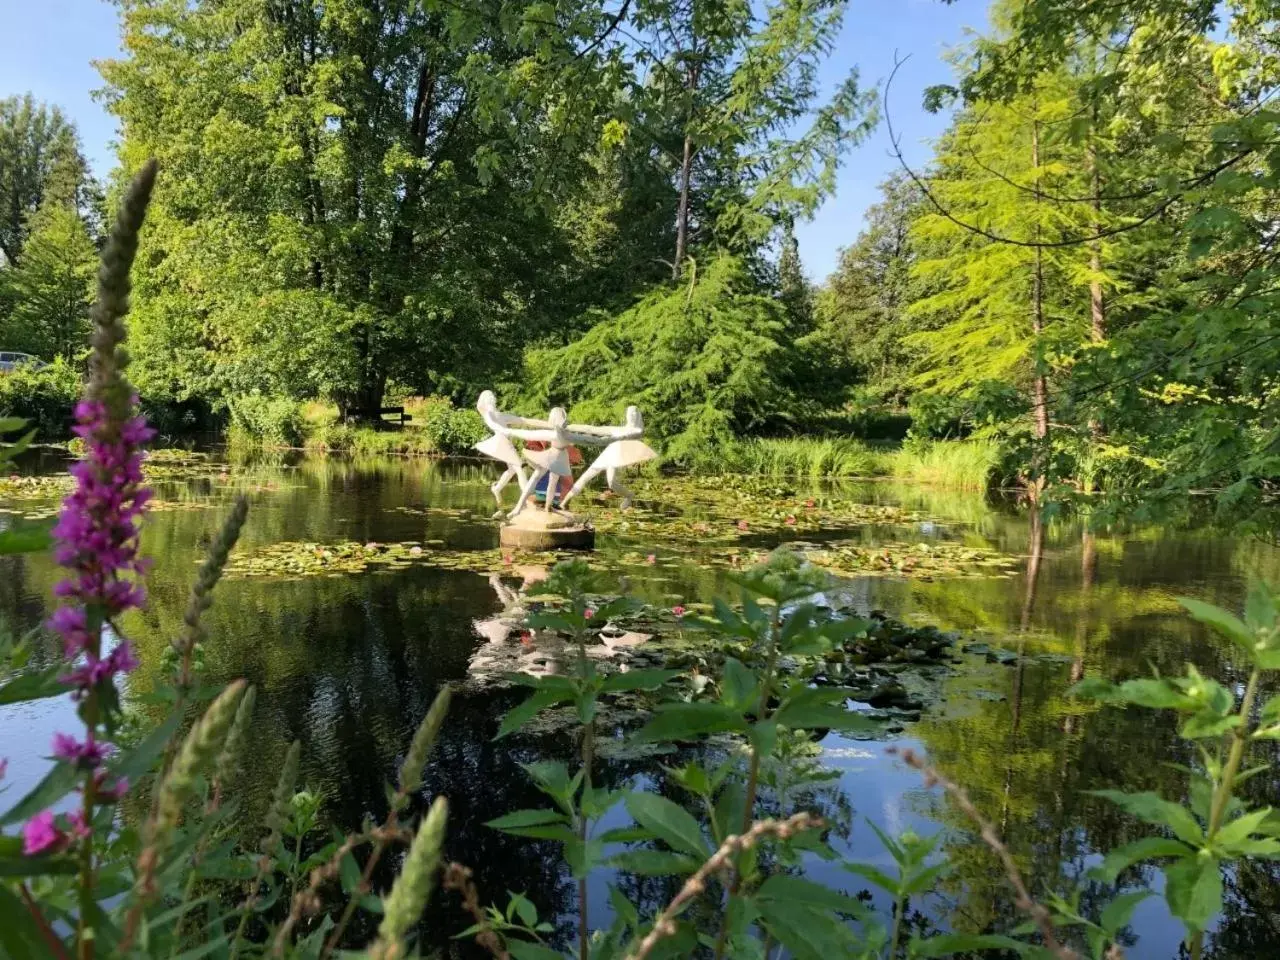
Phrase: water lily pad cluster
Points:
(293, 560)
(720, 510)
(53, 486)
(939, 558)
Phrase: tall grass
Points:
(960, 464)
(811, 457)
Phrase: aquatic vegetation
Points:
(925, 560)
(44, 487)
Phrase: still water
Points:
(348, 665)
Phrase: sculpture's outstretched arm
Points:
(544, 436)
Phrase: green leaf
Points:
(729, 810)
(33, 685)
(142, 758)
(56, 784)
(1193, 890)
(871, 874)
(818, 716)
(1207, 724)
(524, 909)
(650, 863)
(738, 685)
(780, 886)
(348, 873)
(1148, 848)
(1242, 827)
(1229, 626)
(950, 944)
(1155, 693)
(1117, 913)
(1271, 709)
(552, 778)
(637, 680)
(537, 702)
(29, 538)
(560, 623)
(624, 908)
(763, 737)
(684, 721)
(1154, 809)
(1260, 607)
(13, 863)
(669, 822)
(807, 933)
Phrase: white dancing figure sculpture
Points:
(623, 448)
(626, 450)
(499, 446)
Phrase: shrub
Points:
(44, 398)
(265, 421)
(706, 361)
(447, 429)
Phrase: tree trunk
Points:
(1040, 392)
(1097, 306)
(686, 173)
(682, 213)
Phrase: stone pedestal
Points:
(537, 529)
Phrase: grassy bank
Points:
(959, 464)
(436, 428)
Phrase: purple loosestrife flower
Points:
(89, 754)
(39, 834)
(96, 536)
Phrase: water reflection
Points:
(349, 664)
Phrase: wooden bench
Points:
(395, 412)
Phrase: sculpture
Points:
(623, 447)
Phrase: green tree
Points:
(356, 193)
(862, 307)
(1180, 384)
(733, 99)
(37, 143)
(52, 288)
(707, 361)
(793, 286)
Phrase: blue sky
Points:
(47, 47)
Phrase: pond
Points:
(348, 656)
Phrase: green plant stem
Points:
(588, 759)
(379, 846)
(753, 770)
(294, 872)
(897, 928)
(1222, 795)
(56, 949)
(84, 930)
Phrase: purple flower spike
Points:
(97, 541)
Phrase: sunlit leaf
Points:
(1193, 890)
(671, 823)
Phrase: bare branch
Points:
(991, 838)
(896, 141)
